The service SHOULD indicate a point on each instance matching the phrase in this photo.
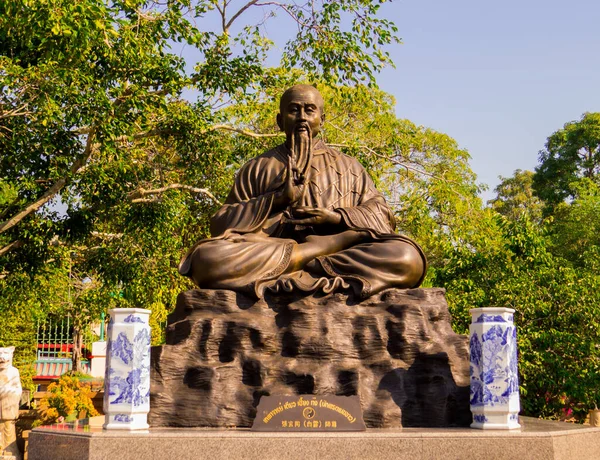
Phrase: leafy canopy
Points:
(515, 197)
(92, 119)
(571, 153)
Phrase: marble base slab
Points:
(536, 439)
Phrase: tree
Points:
(556, 313)
(575, 226)
(92, 118)
(544, 264)
(85, 83)
(571, 153)
(515, 197)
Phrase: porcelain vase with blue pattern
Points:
(494, 372)
(127, 379)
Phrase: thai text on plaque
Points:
(309, 413)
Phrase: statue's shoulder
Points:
(336, 156)
(274, 156)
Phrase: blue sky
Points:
(499, 77)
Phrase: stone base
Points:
(536, 440)
(396, 351)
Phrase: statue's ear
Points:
(11, 348)
(279, 122)
(322, 118)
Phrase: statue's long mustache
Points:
(302, 150)
(301, 124)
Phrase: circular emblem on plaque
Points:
(309, 412)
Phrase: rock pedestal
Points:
(396, 350)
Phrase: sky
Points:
(499, 77)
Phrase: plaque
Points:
(309, 413)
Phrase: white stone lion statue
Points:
(10, 397)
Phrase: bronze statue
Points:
(304, 216)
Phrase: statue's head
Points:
(6, 356)
(301, 110)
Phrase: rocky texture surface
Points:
(396, 350)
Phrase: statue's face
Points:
(6, 355)
(301, 109)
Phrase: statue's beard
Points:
(302, 151)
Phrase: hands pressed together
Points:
(292, 193)
(314, 216)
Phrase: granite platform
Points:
(535, 440)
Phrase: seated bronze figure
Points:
(304, 216)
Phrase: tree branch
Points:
(385, 157)
(237, 15)
(19, 111)
(53, 190)
(242, 131)
(222, 11)
(288, 10)
(107, 236)
(138, 195)
(157, 132)
(9, 247)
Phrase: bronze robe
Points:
(252, 243)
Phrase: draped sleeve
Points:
(370, 210)
(250, 202)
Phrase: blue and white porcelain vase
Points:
(127, 379)
(494, 373)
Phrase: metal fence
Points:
(55, 348)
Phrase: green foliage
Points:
(556, 313)
(575, 227)
(69, 400)
(539, 254)
(24, 303)
(515, 197)
(7, 193)
(571, 153)
(436, 193)
(323, 41)
(92, 119)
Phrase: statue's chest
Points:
(331, 184)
